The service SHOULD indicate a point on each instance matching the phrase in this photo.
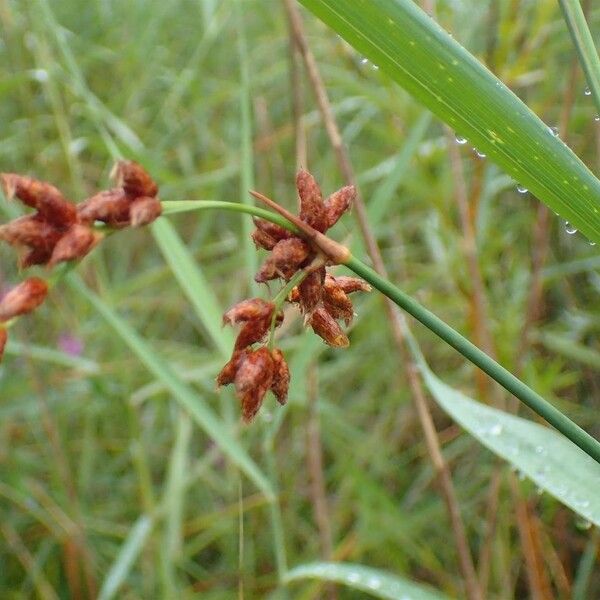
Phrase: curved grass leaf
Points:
(424, 59)
(193, 283)
(378, 584)
(550, 460)
(127, 556)
(181, 392)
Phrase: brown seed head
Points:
(310, 290)
(252, 380)
(31, 231)
(3, 340)
(272, 229)
(281, 376)
(350, 284)
(285, 259)
(338, 203)
(23, 298)
(312, 209)
(227, 373)
(263, 240)
(335, 300)
(75, 243)
(144, 210)
(248, 310)
(255, 331)
(134, 179)
(325, 326)
(110, 207)
(44, 197)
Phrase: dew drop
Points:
(375, 67)
(553, 131)
(540, 450)
(40, 75)
(461, 140)
(374, 583)
(591, 243)
(522, 189)
(583, 524)
(587, 91)
(478, 153)
(364, 61)
(597, 118)
(496, 429)
(569, 228)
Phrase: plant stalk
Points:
(515, 386)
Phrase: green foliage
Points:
(107, 448)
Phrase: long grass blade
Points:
(552, 462)
(376, 583)
(192, 281)
(127, 556)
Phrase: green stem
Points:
(479, 358)
(173, 207)
(584, 43)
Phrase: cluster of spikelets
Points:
(322, 298)
(61, 231)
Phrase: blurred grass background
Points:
(97, 459)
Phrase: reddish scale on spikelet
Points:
(285, 259)
(3, 340)
(325, 326)
(253, 378)
(50, 204)
(281, 376)
(132, 204)
(23, 298)
(75, 243)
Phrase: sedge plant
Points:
(409, 47)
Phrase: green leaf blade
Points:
(550, 460)
(442, 75)
(378, 584)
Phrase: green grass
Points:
(98, 446)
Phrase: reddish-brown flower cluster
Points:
(322, 298)
(60, 231)
(22, 299)
(254, 372)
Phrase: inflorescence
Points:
(61, 231)
(322, 298)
